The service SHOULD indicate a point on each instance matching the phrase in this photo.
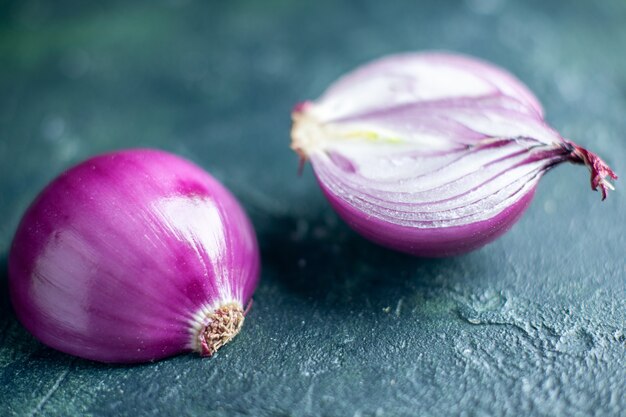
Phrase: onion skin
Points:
(432, 154)
(430, 242)
(130, 257)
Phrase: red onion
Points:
(433, 154)
(133, 256)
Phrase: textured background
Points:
(533, 324)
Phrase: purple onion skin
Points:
(127, 257)
(433, 154)
(431, 243)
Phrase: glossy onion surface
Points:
(133, 256)
(432, 154)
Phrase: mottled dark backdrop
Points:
(533, 324)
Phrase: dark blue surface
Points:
(533, 324)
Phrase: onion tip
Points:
(600, 171)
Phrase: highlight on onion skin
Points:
(133, 256)
(433, 154)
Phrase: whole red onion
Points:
(433, 154)
(133, 256)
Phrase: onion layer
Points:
(133, 256)
(433, 154)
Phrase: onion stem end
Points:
(600, 171)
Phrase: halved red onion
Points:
(433, 154)
(133, 256)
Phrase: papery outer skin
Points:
(116, 259)
(433, 154)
